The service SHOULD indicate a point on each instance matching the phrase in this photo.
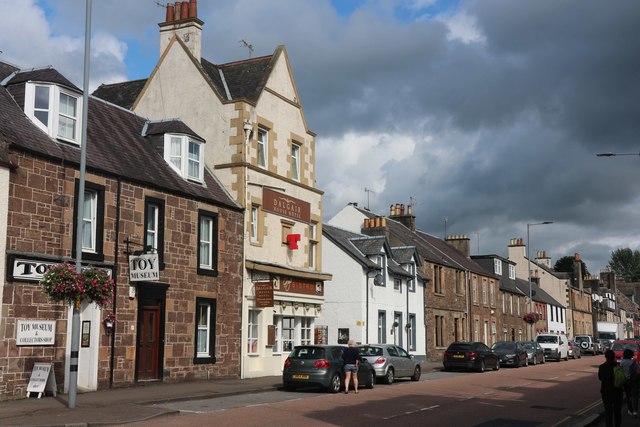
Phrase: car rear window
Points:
(547, 339)
(308, 353)
(504, 346)
(370, 351)
(459, 347)
(528, 345)
(580, 339)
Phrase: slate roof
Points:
(123, 94)
(115, 147)
(625, 303)
(506, 284)
(160, 127)
(539, 294)
(341, 238)
(369, 245)
(244, 80)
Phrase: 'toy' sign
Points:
(144, 268)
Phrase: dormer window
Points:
(185, 155)
(54, 109)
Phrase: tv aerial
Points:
(247, 44)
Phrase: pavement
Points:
(142, 402)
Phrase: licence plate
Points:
(458, 356)
(300, 377)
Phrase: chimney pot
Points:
(178, 9)
(409, 209)
(366, 223)
(377, 221)
(577, 256)
(392, 211)
(184, 13)
(170, 12)
(383, 221)
(401, 209)
(193, 9)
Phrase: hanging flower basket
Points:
(531, 318)
(63, 283)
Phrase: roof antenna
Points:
(368, 191)
(247, 43)
(160, 4)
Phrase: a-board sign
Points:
(42, 379)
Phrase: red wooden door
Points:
(148, 349)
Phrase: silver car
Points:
(390, 362)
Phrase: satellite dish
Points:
(377, 280)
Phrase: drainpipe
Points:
(467, 281)
(115, 281)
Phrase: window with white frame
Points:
(511, 304)
(382, 327)
(411, 283)
(263, 147)
(277, 322)
(185, 155)
(205, 330)
(54, 109)
(254, 224)
(475, 290)
(252, 332)
(313, 244)
(288, 333)
(295, 162)
(207, 243)
(397, 285)
(89, 221)
(412, 332)
(497, 267)
(484, 291)
(306, 338)
(512, 272)
(154, 227)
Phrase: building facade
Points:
(249, 112)
(181, 323)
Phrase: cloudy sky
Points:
(486, 114)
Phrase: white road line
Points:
(491, 404)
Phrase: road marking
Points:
(411, 412)
(491, 404)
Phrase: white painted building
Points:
(376, 294)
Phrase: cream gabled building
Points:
(260, 148)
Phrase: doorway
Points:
(150, 338)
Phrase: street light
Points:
(529, 270)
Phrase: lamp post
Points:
(529, 271)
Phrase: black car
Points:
(470, 355)
(322, 366)
(511, 353)
(535, 352)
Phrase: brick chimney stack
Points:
(182, 21)
(397, 213)
(461, 243)
(543, 258)
(577, 271)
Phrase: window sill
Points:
(207, 272)
(204, 360)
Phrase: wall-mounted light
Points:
(248, 127)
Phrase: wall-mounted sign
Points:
(30, 270)
(36, 332)
(144, 268)
(286, 284)
(284, 205)
(264, 294)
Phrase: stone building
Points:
(263, 152)
(181, 323)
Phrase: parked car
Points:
(574, 350)
(390, 362)
(470, 355)
(588, 344)
(321, 366)
(605, 344)
(535, 352)
(619, 346)
(556, 346)
(511, 353)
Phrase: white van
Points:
(556, 346)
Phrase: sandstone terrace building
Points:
(184, 326)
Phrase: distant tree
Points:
(626, 264)
(565, 265)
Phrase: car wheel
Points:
(516, 362)
(416, 374)
(543, 360)
(534, 361)
(334, 384)
(388, 378)
(481, 367)
(371, 379)
(566, 357)
(526, 361)
(497, 366)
